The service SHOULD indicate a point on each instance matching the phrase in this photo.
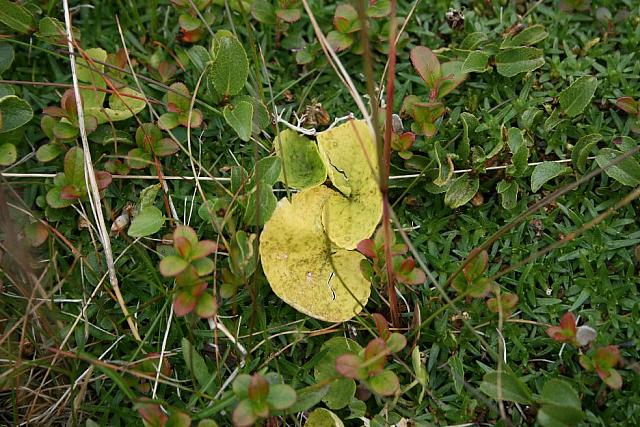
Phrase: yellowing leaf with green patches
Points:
(302, 166)
(350, 155)
(303, 268)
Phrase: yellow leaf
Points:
(302, 266)
(350, 154)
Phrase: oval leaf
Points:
(147, 222)
(575, 98)
(545, 172)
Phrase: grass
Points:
(68, 355)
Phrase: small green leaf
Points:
(582, 149)
(16, 17)
(6, 57)
(341, 391)
(461, 190)
(545, 172)
(575, 98)
(626, 172)
(230, 67)
(385, 383)
(74, 167)
(147, 196)
(240, 118)
(149, 221)
(14, 113)
(308, 397)
(321, 417)
(263, 11)
(457, 372)
(267, 170)
(8, 154)
(508, 191)
(476, 62)
(281, 396)
(260, 205)
(512, 388)
(206, 306)
(168, 121)
(48, 152)
(527, 37)
(339, 41)
(513, 61)
(195, 363)
(560, 405)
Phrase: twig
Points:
(90, 176)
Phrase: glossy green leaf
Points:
(560, 405)
(582, 150)
(6, 57)
(14, 113)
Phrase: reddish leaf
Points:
(566, 332)
(184, 303)
(243, 415)
(348, 365)
(375, 355)
(203, 249)
(172, 265)
(69, 192)
(406, 266)
(258, 388)
(381, 325)
(103, 179)
(607, 357)
(628, 105)
(151, 414)
(367, 248)
(426, 65)
(289, 15)
(611, 377)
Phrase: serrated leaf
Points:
(148, 221)
(545, 172)
(513, 61)
(575, 98)
(461, 190)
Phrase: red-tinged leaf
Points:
(611, 377)
(184, 303)
(367, 248)
(508, 302)
(165, 147)
(258, 388)
(68, 103)
(406, 266)
(203, 266)
(346, 19)
(172, 265)
(349, 365)
(381, 325)
(187, 233)
(179, 99)
(476, 266)
(606, 357)
(426, 65)
(568, 323)
(36, 233)
(203, 249)
(399, 249)
(415, 277)
(168, 121)
(54, 111)
(628, 105)
(586, 363)
(206, 306)
(196, 119)
(182, 245)
(406, 140)
(243, 415)
(69, 192)
(339, 41)
(151, 414)
(375, 356)
(289, 15)
(396, 342)
(103, 179)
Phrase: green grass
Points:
(44, 351)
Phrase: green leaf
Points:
(260, 205)
(122, 106)
(281, 396)
(508, 191)
(321, 417)
(302, 165)
(230, 67)
(48, 152)
(147, 196)
(16, 17)
(148, 221)
(339, 41)
(461, 191)
(178, 419)
(267, 170)
(263, 11)
(457, 372)
(582, 149)
(385, 383)
(476, 62)
(6, 57)
(346, 19)
(240, 118)
(14, 113)
(545, 172)
(626, 172)
(195, 363)
(8, 154)
(512, 389)
(560, 405)
(527, 37)
(168, 121)
(55, 200)
(74, 167)
(341, 391)
(308, 397)
(426, 65)
(519, 161)
(91, 74)
(575, 98)
(513, 61)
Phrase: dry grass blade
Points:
(90, 177)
